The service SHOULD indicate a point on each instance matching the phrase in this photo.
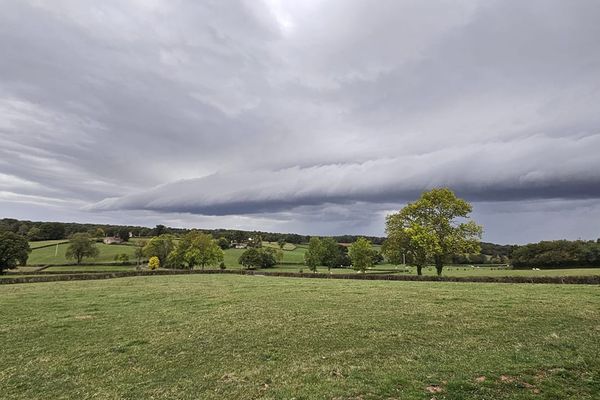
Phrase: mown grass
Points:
(242, 337)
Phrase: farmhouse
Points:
(112, 240)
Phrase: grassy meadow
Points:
(52, 256)
(241, 337)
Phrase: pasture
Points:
(53, 256)
(293, 261)
(240, 337)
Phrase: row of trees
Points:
(329, 253)
(36, 230)
(194, 249)
(558, 254)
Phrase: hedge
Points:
(52, 276)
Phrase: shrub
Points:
(124, 258)
(153, 263)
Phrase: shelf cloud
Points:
(315, 116)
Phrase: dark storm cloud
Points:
(298, 115)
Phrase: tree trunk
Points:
(439, 265)
(419, 270)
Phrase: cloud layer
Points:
(313, 116)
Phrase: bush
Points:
(153, 263)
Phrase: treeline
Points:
(64, 230)
(557, 254)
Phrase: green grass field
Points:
(293, 262)
(49, 255)
(487, 271)
(242, 337)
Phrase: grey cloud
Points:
(296, 115)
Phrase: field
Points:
(49, 255)
(293, 261)
(488, 271)
(240, 337)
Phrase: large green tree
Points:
(160, 246)
(14, 250)
(361, 254)
(197, 249)
(434, 227)
(81, 245)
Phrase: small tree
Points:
(279, 256)
(361, 254)
(250, 258)
(153, 263)
(124, 258)
(281, 243)
(333, 254)
(81, 245)
(14, 250)
(123, 234)
(139, 251)
(258, 258)
(314, 254)
(223, 243)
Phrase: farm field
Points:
(239, 337)
(487, 271)
(293, 261)
(49, 255)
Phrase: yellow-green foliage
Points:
(153, 263)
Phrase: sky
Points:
(317, 117)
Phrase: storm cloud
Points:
(318, 117)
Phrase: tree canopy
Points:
(314, 254)
(258, 258)
(81, 245)
(14, 250)
(361, 254)
(433, 228)
(196, 249)
(160, 246)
